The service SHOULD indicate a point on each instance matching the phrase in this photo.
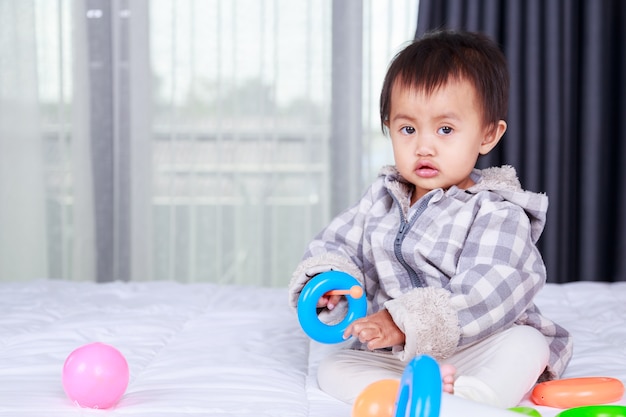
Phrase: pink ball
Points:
(95, 376)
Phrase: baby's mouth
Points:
(426, 170)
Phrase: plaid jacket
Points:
(453, 269)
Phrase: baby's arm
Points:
(337, 247)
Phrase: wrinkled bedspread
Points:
(206, 349)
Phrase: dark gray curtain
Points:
(567, 119)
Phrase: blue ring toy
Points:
(307, 306)
(420, 389)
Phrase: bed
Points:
(211, 350)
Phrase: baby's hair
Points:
(432, 60)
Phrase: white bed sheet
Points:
(203, 349)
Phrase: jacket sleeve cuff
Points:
(429, 322)
(310, 267)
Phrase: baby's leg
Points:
(501, 369)
(346, 373)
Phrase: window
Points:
(200, 140)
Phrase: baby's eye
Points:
(444, 130)
(408, 130)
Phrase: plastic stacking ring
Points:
(316, 288)
(527, 411)
(595, 411)
(420, 389)
(577, 392)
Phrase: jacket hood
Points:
(500, 180)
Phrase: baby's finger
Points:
(333, 300)
(323, 301)
(375, 343)
(353, 329)
(349, 331)
(365, 334)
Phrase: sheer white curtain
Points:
(22, 193)
(46, 207)
(187, 140)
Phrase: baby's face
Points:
(437, 137)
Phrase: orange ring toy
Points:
(577, 392)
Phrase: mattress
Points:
(215, 350)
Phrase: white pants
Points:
(497, 371)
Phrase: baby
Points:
(446, 253)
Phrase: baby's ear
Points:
(493, 134)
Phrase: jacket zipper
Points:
(405, 226)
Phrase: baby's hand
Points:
(328, 301)
(377, 330)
